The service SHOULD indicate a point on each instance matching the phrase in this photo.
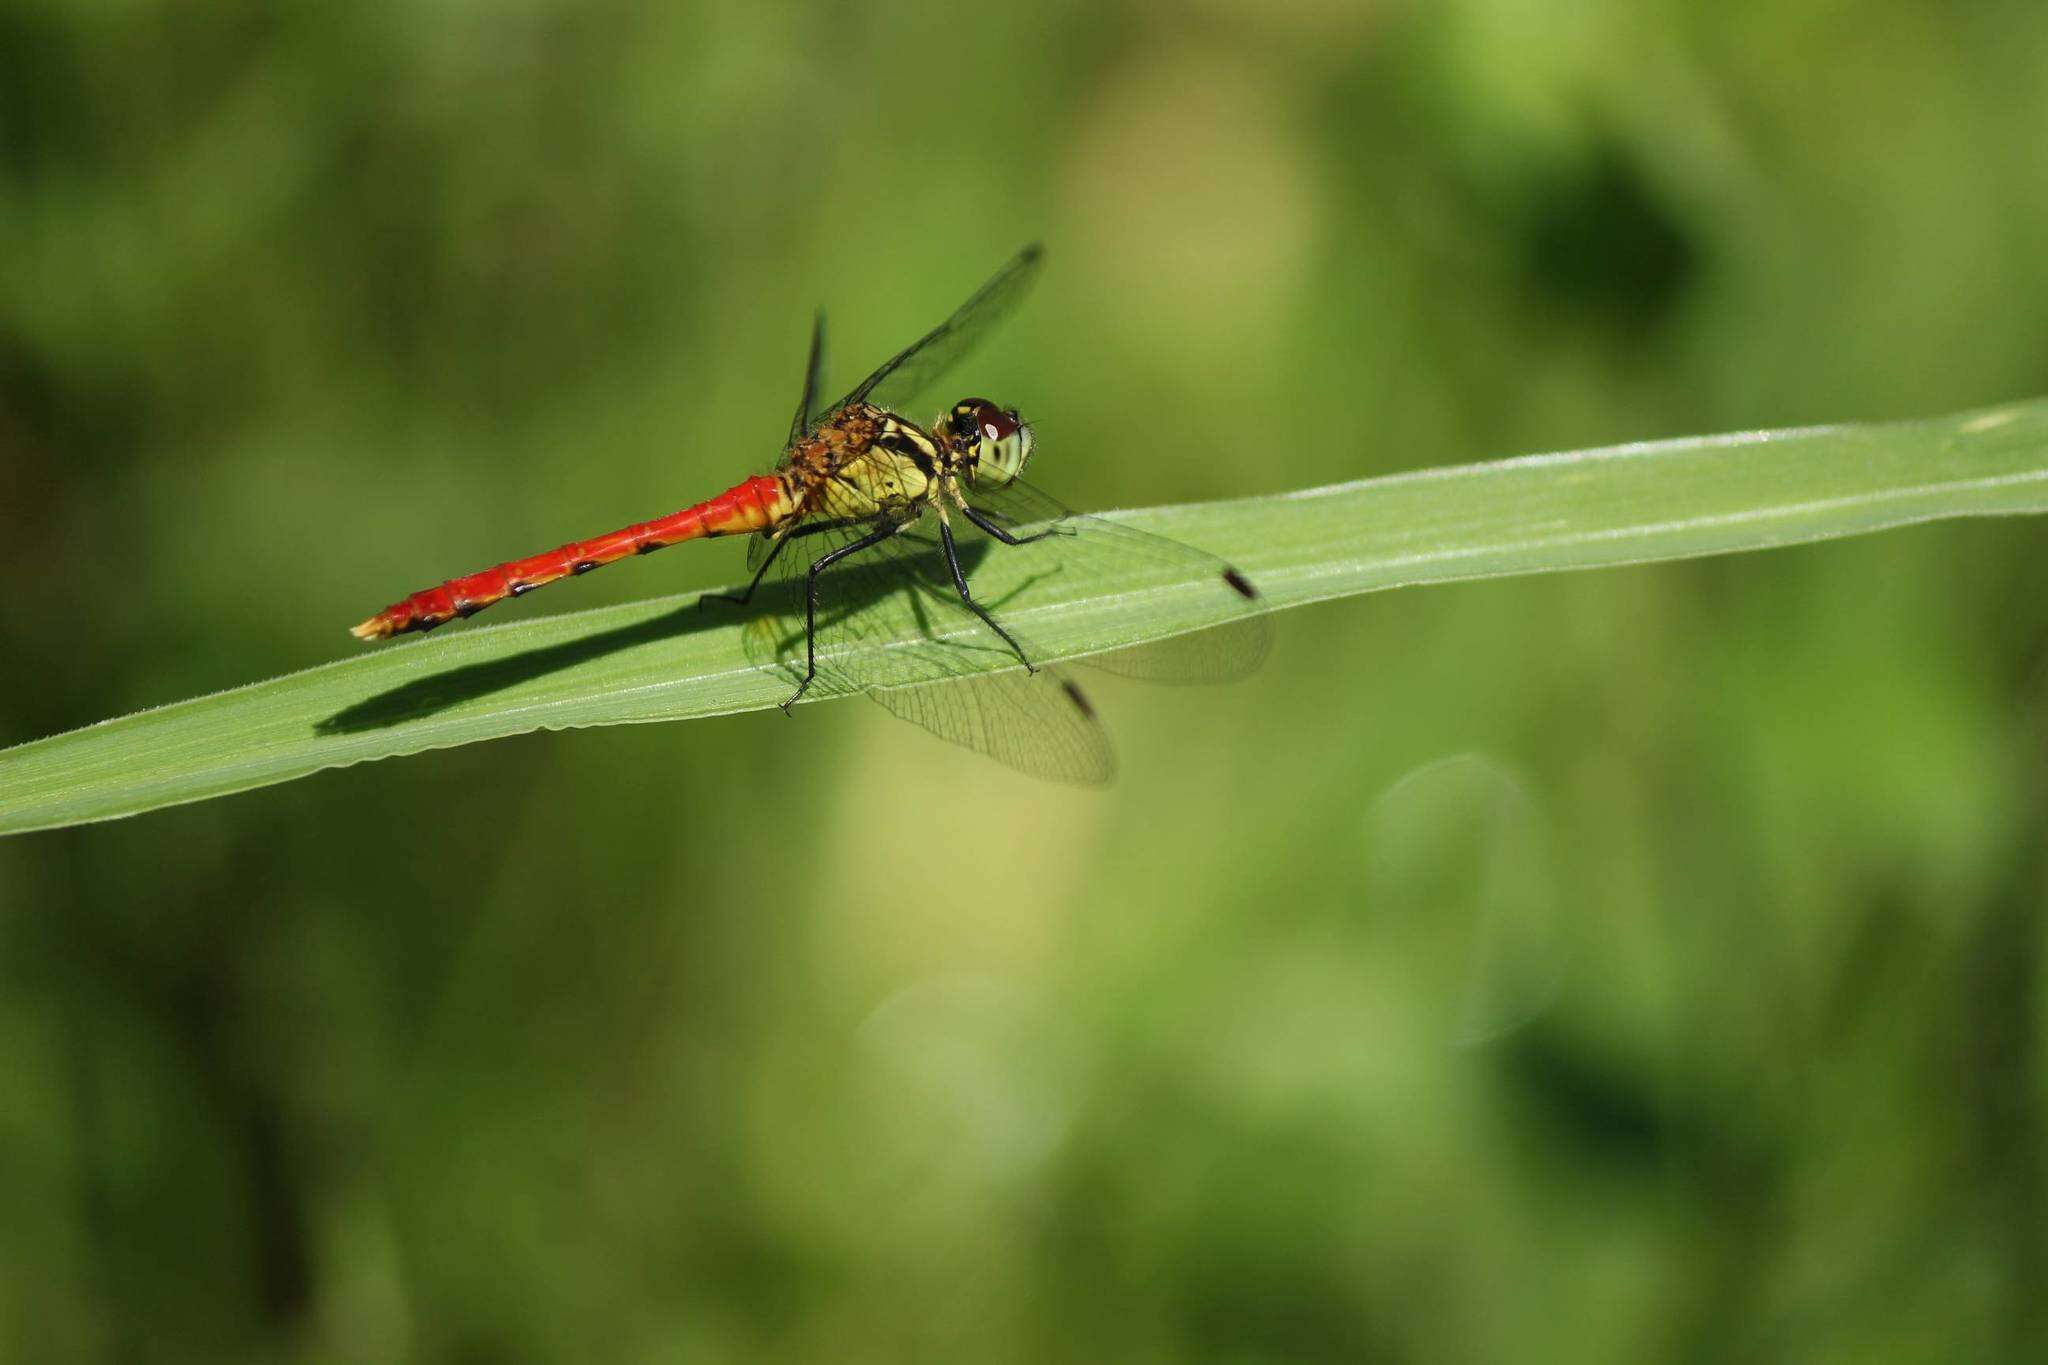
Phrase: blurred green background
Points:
(1637, 965)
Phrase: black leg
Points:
(759, 574)
(1006, 536)
(809, 529)
(960, 582)
(818, 566)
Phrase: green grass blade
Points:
(663, 660)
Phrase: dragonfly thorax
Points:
(989, 445)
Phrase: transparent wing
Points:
(902, 586)
(918, 366)
(758, 548)
(910, 370)
(869, 599)
(1109, 551)
(800, 425)
(1040, 724)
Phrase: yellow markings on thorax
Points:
(868, 462)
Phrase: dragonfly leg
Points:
(960, 582)
(1008, 537)
(798, 534)
(818, 566)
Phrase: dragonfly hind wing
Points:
(1230, 647)
(1213, 654)
(890, 623)
(1042, 725)
(865, 603)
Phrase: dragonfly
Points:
(872, 522)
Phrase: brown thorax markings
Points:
(866, 461)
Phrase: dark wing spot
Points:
(468, 609)
(423, 624)
(1240, 585)
(1078, 697)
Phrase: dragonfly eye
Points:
(996, 424)
(994, 440)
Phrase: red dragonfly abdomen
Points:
(758, 504)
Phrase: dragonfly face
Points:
(991, 444)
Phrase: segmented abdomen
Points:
(755, 505)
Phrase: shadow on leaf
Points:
(840, 595)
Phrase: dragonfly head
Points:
(992, 444)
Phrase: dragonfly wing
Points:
(921, 364)
(1040, 724)
(1044, 724)
(1219, 654)
(800, 426)
(865, 600)
(890, 623)
(887, 615)
(1111, 552)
